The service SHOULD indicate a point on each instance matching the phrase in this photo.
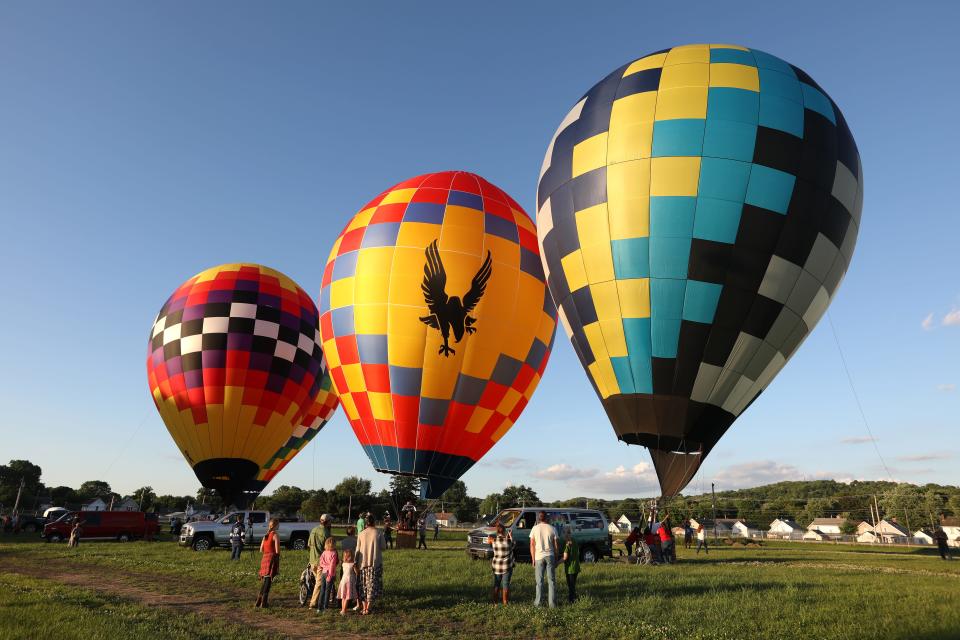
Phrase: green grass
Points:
(32, 608)
(778, 589)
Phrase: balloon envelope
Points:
(235, 366)
(697, 210)
(436, 322)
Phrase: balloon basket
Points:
(406, 539)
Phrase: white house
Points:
(94, 505)
(864, 527)
(922, 537)
(446, 519)
(623, 523)
(816, 534)
(127, 504)
(613, 528)
(891, 531)
(784, 528)
(951, 527)
(826, 526)
(740, 529)
(723, 525)
(868, 536)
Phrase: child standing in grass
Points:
(571, 565)
(326, 571)
(348, 583)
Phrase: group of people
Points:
(545, 555)
(359, 559)
(655, 544)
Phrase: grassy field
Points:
(776, 590)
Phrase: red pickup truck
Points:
(104, 525)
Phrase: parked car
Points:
(589, 528)
(104, 525)
(201, 536)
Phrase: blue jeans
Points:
(326, 588)
(237, 548)
(541, 567)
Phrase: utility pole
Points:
(16, 503)
(713, 498)
(349, 509)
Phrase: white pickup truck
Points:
(207, 534)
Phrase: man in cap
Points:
(318, 537)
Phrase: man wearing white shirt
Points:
(543, 553)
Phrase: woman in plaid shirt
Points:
(502, 563)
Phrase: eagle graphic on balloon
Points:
(696, 212)
(449, 313)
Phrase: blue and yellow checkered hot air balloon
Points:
(697, 210)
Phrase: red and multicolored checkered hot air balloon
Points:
(436, 322)
(237, 373)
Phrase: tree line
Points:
(914, 506)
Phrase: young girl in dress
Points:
(348, 583)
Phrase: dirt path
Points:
(152, 591)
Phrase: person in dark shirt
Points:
(236, 537)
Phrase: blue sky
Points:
(143, 142)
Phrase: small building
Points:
(868, 537)
(827, 526)
(785, 529)
(623, 524)
(613, 528)
(446, 519)
(922, 537)
(816, 534)
(892, 532)
(864, 527)
(951, 527)
(127, 504)
(97, 504)
(741, 529)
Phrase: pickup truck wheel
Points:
(54, 537)
(124, 537)
(298, 544)
(202, 544)
(588, 554)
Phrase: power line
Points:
(856, 397)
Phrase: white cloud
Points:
(858, 440)
(924, 457)
(760, 472)
(506, 463)
(952, 318)
(947, 388)
(640, 478)
(927, 323)
(564, 472)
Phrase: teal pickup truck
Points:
(589, 528)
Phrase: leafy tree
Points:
(171, 503)
(520, 495)
(95, 489)
(903, 502)
(145, 497)
(315, 505)
(934, 504)
(954, 504)
(456, 500)
(64, 495)
(15, 473)
(404, 489)
(284, 500)
(849, 525)
(491, 504)
(350, 497)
